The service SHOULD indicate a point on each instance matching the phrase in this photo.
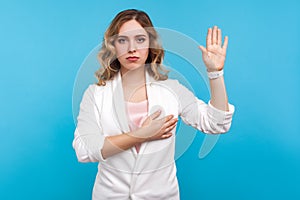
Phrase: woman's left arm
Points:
(214, 58)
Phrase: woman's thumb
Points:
(203, 49)
(155, 114)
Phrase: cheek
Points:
(121, 50)
(144, 50)
(144, 53)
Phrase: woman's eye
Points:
(141, 40)
(121, 40)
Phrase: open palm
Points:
(214, 54)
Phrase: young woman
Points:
(127, 121)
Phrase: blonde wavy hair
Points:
(107, 54)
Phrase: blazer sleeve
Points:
(200, 115)
(88, 136)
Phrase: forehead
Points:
(132, 28)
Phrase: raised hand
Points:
(214, 54)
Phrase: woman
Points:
(127, 121)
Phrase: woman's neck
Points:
(134, 87)
(133, 78)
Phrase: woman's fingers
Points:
(167, 118)
(173, 122)
(203, 49)
(170, 120)
(151, 117)
(225, 43)
(214, 35)
(219, 36)
(155, 114)
(168, 132)
(166, 135)
(163, 125)
(170, 128)
(208, 37)
(166, 124)
(170, 125)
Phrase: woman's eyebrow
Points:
(125, 36)
(141, 35)
(122, 36)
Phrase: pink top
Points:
(137, 113)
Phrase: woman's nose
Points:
(132, 46)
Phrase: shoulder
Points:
(92, 88)
(94, 91)
(172, 84)
(168, 82)
(177, 88)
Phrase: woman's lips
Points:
(132, 58)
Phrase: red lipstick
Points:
(132, 58)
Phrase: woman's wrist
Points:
(215, 74)
(137, 135)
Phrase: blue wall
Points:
(43, 43)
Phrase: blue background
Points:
(43, 44)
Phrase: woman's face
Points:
(132, 46)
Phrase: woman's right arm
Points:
(152, 129)
(90, 143)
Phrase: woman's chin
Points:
(133, 66)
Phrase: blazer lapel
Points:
(119, 109)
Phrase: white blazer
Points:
(151, 173)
